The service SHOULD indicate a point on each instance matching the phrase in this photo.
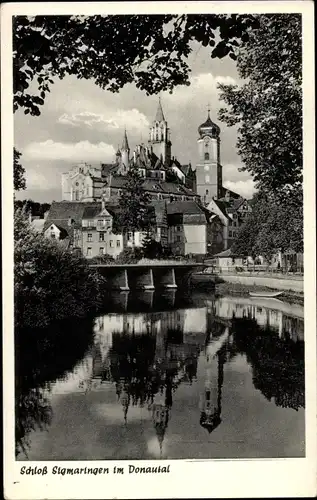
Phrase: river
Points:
(165, 376)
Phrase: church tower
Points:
(159, 141)
(209, 169)
(125, 154)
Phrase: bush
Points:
(102, 259)
(152, 249)
(50, 283)
(130, 256)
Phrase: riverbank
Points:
(227, 288)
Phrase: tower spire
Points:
(159, 117)
(125, 144)
(208, 109)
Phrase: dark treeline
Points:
(37, 209)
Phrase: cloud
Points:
(232, 173)
(131, 119)
(244, 188)
(80, 151)
(202, 86)
(36, 179)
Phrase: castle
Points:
(164, 176)
(194, 213)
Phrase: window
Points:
(207, 191)
(129, 236)
(101, 250)
(118, 243)
(178, 238)
(89, 237)
(89, 252)
(230, 234)
(111, 244)
(207, 178)
(178, 228)
(53, 235)
(206, 156)
(101, 237)
(207, 168)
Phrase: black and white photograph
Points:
(157, 185)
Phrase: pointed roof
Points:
(125, 144)
(159, 117)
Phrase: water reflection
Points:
(43, 356)
(176, 347)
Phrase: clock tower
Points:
(208, 168)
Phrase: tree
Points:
(50, 283)
(18, 172)
(36, 208)
(152, 249)
(135, 212)
(267, 105)
(149, 50)
(273, 225)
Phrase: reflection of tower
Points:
(160, 413)
(96, 362)
(124, 397)
(210, 416)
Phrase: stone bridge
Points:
(148, 275)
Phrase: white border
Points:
(196, 479)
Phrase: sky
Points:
(80, 122)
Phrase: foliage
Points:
(95, 47)
(152, 249)
(267, 106)
(130, 256)
(135, 212)
(102, 259)
(18, 172)
(278, 369)
(49, 283)
(37, 209)
(273, 225)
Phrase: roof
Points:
(62, 225)
(188, 207)
(232, 194)
(125, 144)
(238, 202)
(61, 211)
(187, 212)
(208, 126)
(159, 117)
(226, 253)
(91, 212)
(154, 185)
(222, 205)
(186, 169)
(107, 168)
(38, 225)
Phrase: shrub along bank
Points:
(50, 283)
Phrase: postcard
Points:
(159, 254)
